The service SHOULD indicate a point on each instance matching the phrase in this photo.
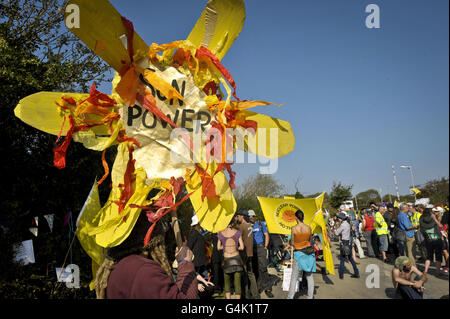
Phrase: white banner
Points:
(25, 252)
(50, 219)
(287, 272)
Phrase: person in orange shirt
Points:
(304, 256)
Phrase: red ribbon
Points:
(203, 52)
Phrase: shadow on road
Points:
(390, 293)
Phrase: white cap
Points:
(251, 213)
(429, 206)
(438, 209)
(410, 204)
(194, 220)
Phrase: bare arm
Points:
(241, 243)
(436, 221)
(423, 276)
(266, 240)
(397, 279)
(219, 245)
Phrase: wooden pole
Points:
(176, 229)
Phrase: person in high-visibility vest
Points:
(381, 228)
(415, 221)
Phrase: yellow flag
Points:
(280, 218)
(87, 215)
(415, 190)
(396, 204)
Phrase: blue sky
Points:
(358, 99)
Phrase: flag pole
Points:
(395, 182)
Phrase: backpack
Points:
(399, 234)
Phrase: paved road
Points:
(331, 287)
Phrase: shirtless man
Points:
(401, 279)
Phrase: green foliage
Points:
(339, 193)
(257, 185)
(370, 195)
(436, 190)
(37, 53)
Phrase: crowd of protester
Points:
(403, 235)
(235, 261)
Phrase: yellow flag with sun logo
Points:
(279, 214)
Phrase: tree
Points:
(256, 185)
(339, 194)
(389, 198)
(436, 190)
(37, 53)
(370, 195)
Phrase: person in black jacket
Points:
(196, 243)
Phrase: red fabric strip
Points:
(204, 52)
(130, 33)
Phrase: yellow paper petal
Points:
(112, 229)
(218, 26)
(100, 21)
(214, 214)
(40, 111)
(284, 144)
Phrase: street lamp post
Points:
(412, 178)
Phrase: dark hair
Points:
(316, 238)
(395, 213)
(134, 243)
(300, 215)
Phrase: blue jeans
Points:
(408, 292)
(400, 247)
(342, 264)
(355, 223)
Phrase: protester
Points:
(275, 246)
(405, 224)
(318, 253)
(304, 257)
(344, 231)
(415, 217)
(401, 279)
(373, 208)
(205, 288)
(356, 234)
(429, 226)
(251, 287)
(388, 213)
(381, 228)
(439, 212)
(133, 271)
(398, 235)
(368, 231)
(260, 244)
(196, 243)
(216, 266)
(331, 224)
(230, 241)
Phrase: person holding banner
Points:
(134, 271)
(304, 256)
